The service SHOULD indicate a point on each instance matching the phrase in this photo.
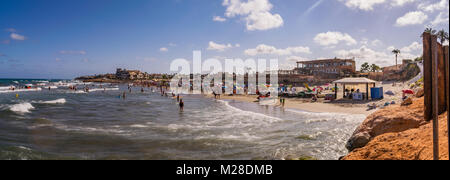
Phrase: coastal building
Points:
(339, 67)
(124, 74)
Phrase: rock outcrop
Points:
(390, 120)
(413, 144)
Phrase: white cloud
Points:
(366, 5)
(263, 21)
(412, 18)
(446, 43)
(219, 47)
(334, 38)
(414, 47)
(172, 44)
(17, 37)
(442, 18)
(441, 5)
(219, 19)
(364, 54)
(381, 58)
(256, 13)
(390, 48)
(163, 49)
(237, 45)
(377, 42)
(271, 50)
(401, 2)
(295, 58)
(73, 52)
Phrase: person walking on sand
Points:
(181, 104)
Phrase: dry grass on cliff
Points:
(413, 144)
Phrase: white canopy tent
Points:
(355, 81)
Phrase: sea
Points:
(51, 121)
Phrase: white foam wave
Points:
(51, 87)
(20, 90)
(91, 129)
(57, 101)
(138, 126)
(226, 103)
(103, 89)
(75, 92)
(21, 108)
(325, 117)
(6, 87)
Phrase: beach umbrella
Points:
(408, 91)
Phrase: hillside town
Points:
(313, 72)
(124, 75)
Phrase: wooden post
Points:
(447, 86)
(344, 90)
(367, 91)
(427, 77)
(435, 93)
(335, 91)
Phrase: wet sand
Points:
(306, 105)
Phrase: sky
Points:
(65, 39)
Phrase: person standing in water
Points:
(181, 105)
(124, 95)
(282, 101)
(178, 98)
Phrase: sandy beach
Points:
(305, 105)
(322, 106)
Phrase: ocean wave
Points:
(75, 92)
(227, 104)
(92, 129)
(20, 90)
(138, 126)
(57, 101)
(104, 89)
(6, 87)
(21, 108)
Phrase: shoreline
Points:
(305, 105)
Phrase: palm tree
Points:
(429, 30)
(442, 35)
(396, 52)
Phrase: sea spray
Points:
(58, 101)
(21, 108)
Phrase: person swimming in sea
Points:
(181, 104)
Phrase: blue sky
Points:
(65, 39)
